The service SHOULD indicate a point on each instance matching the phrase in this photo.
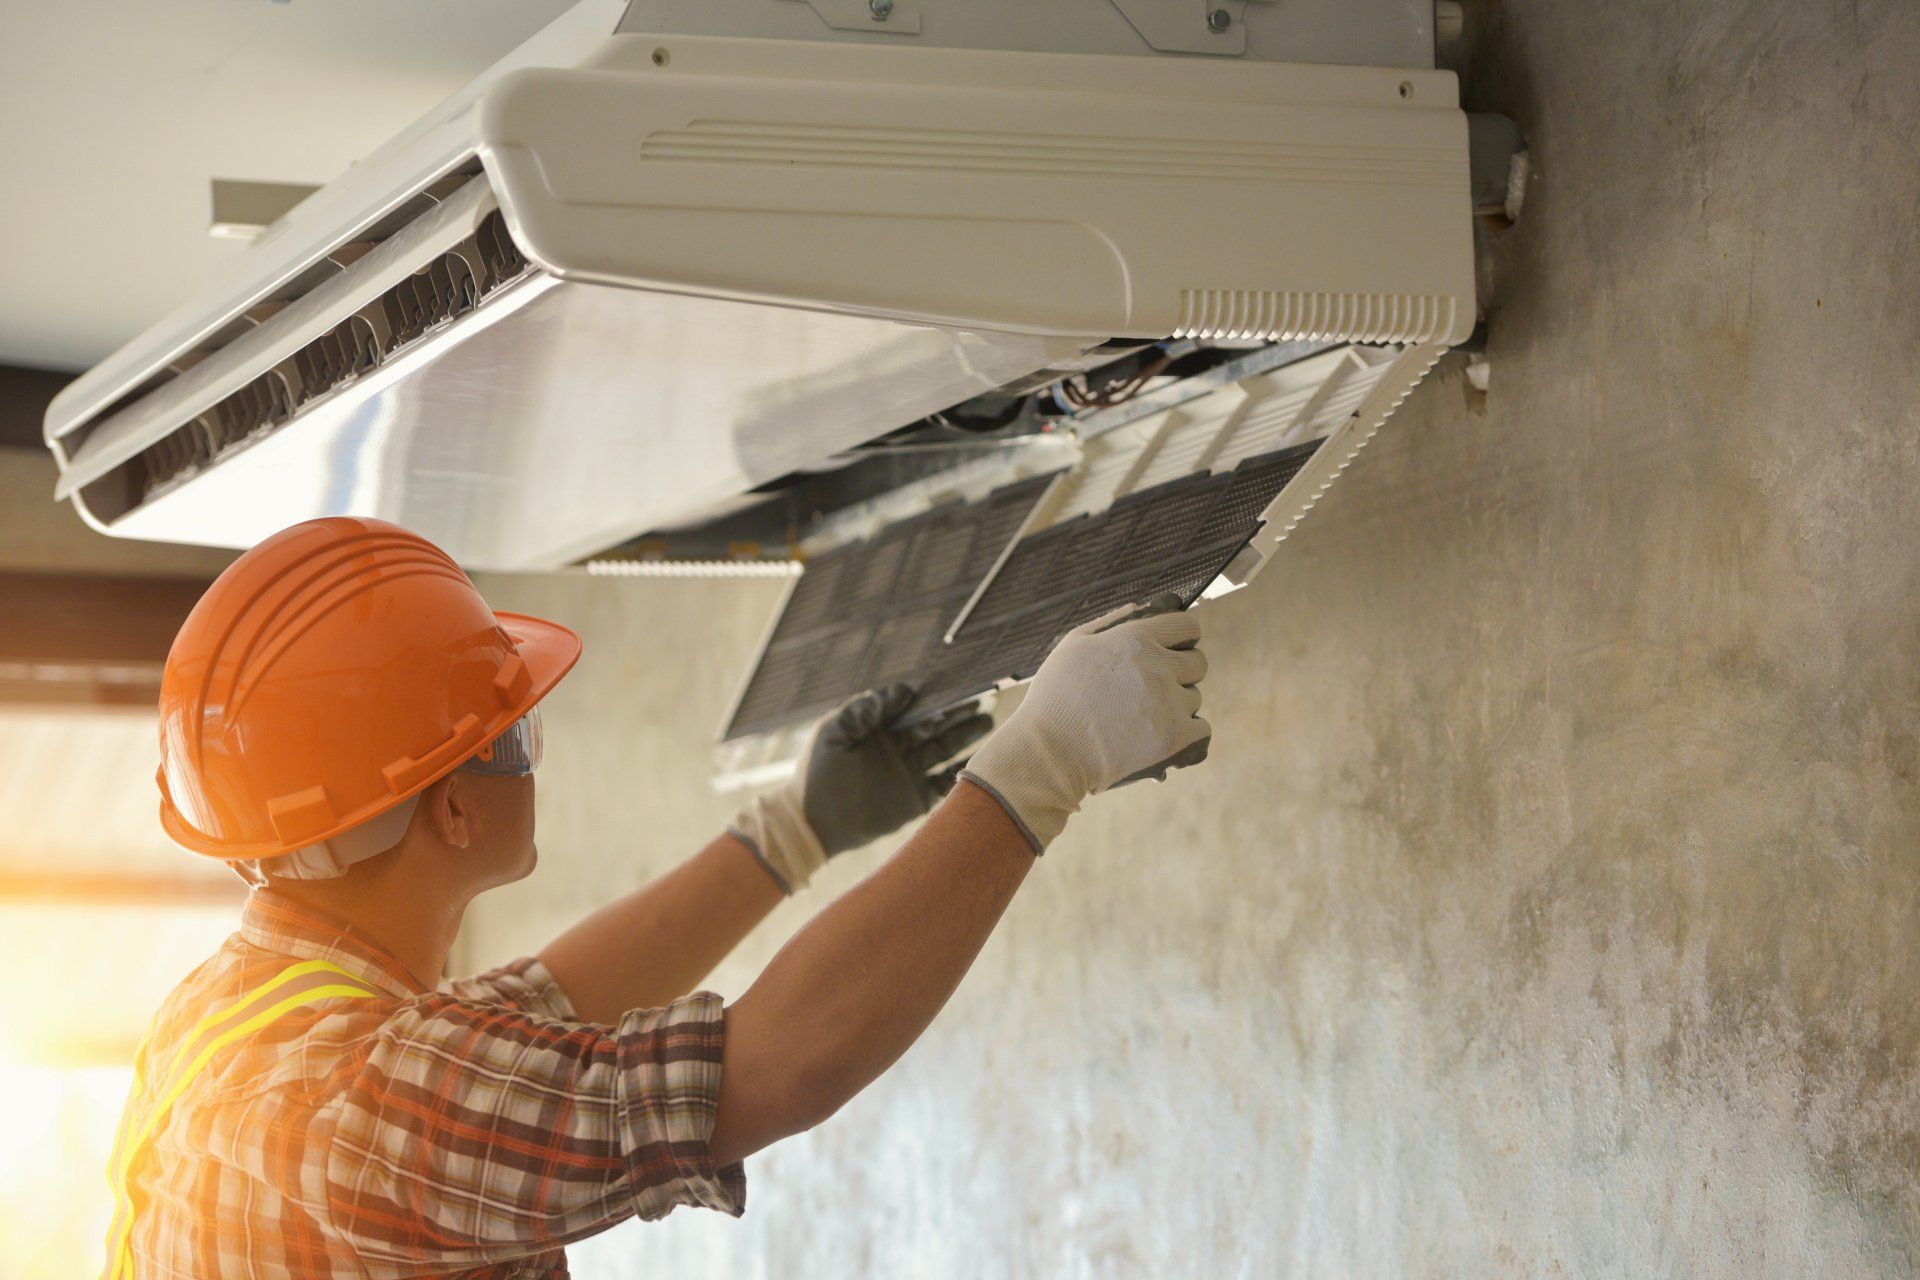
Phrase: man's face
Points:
(501, 821)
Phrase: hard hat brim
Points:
(548, 649)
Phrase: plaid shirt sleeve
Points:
(456, 1131)
(524, 985)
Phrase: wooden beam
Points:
(94, 641)
(89, 889)
(24, 397)
(126, 690)
(73, 619)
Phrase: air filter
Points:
(878, 611)
(874, 612)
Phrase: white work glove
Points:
(1115, 701)
(860, 777)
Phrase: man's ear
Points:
(443, 807)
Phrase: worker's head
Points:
(475, 826)
(341, 694)
(467, 833)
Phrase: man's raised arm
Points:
(859, 778)
(853, 989)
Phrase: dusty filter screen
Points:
(878, 611)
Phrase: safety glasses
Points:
(515, 753)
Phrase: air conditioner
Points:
(669, 258)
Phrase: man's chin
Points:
(511, 873)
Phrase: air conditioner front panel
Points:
(552, 431)
(1013, 192)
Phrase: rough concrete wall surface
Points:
(1551, 905)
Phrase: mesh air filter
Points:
(1175, 537)
(874, 612)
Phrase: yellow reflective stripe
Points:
(254, 996)
(120, 1235)
(184, 1077)
(228, 1037)
(123, 1156)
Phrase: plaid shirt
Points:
(469, 1131)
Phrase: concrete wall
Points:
(1552, 903)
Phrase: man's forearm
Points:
(854, 988)
(656, 944)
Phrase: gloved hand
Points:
(1113, 700)
(859, 779)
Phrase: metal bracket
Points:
(878, 17)
(1190, 26)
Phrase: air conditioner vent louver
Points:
(1356, 317)
(449, 286)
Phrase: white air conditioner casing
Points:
(626, 278)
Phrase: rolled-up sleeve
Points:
(464, 1131)
(669, 1073)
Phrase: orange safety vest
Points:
(294, 987)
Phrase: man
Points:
(345, 722)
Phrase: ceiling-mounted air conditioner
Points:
(643, 269)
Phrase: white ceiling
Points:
(115, 114)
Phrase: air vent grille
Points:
(448, 287)
(1356, 317)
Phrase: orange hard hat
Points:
(332, 672)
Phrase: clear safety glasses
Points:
(515, 753)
